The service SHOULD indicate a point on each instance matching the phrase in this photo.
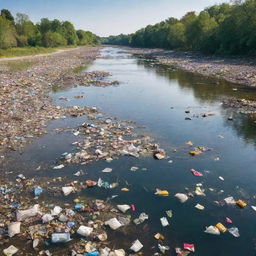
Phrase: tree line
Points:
(218, 29)
(21, 31)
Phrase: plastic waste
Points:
(169, 213)
(35, 242)
(163, 248)
(228, 220)
(11, 250)
(254, 208)
(189, 247)
(159, 236)
(241, 203)
(56, 210)
(161, 192)
(221, 227)
(164, 221)
(134, 168)
(113, 223)
(125, 189)
(67, 190)
(94, 253)
(230, 200)
(199, 207)
(103, 236)
(159, 155)
(143, 216)
(14, 228)
(24, 214)
(212, 230)
(57, 167)
(107, 170)
(221, 178)
(133, 207)
(182, 197)
(136, 246)
(119, 252)
(199, 191)
(196, 173)
(123, 208)
(84, 231)
(38, 191)
(47, 218)
(90, 183)
(234, 231)
(60, 237)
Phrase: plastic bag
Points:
(84, 231)
(230, 200)
(182, 197)
(161, 192)
(136, 246)
(13, 228)
(67, 190)
(113, 223)
(164, 222)
(56, 210)
(123, 207)
(11, 250)
(212, 230)
(24, 214)
(234, 231)
(47, 218)
(38, 191)
(60, 237)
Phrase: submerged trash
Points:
(107, 170)
(143, 216)
(84, 231)
(67, 190)
(24, 214)
(113, 223)
(123, 208)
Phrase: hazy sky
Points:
(106, 17)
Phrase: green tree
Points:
(53, 39)
(7, 34)
(7, 15)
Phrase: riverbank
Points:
(236, 70)
(25, 105)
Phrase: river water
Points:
(157, 97)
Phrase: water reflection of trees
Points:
(213, 90)
(210, 90)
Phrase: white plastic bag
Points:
(14, 228)
(113, 223)
(212, 230)
(136, 246)
(123, 207)
(84, 231)
(67, 190)
(164, 221)
(24, 214)
(11, 250)
(182, 197)
(56, 210)
(47, 218)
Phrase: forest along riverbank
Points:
(25, 106)
(236, 70)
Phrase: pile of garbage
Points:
(106, 139)
(25, 106)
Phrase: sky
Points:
(106, 17)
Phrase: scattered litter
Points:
(221, 227)
(57, 167)
(13, 228)
(196, 173)
(123, 208)
(241, 203)
(67, 190)
(212, 230)
(11, 250)
(221, 178)
(136, 246)
(84, 231)
(182, 197)
(230, 200)
(159, 236)
(228, 220)
(169, 213)
(199, 207)
(107, 170)
(234, 231)
(164, 221)
(161, 192)
(113, 223)
(134, 168)
(189, 247)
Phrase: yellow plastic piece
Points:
(221, 227)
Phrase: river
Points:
(157, 97)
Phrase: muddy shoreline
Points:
(235, 70)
